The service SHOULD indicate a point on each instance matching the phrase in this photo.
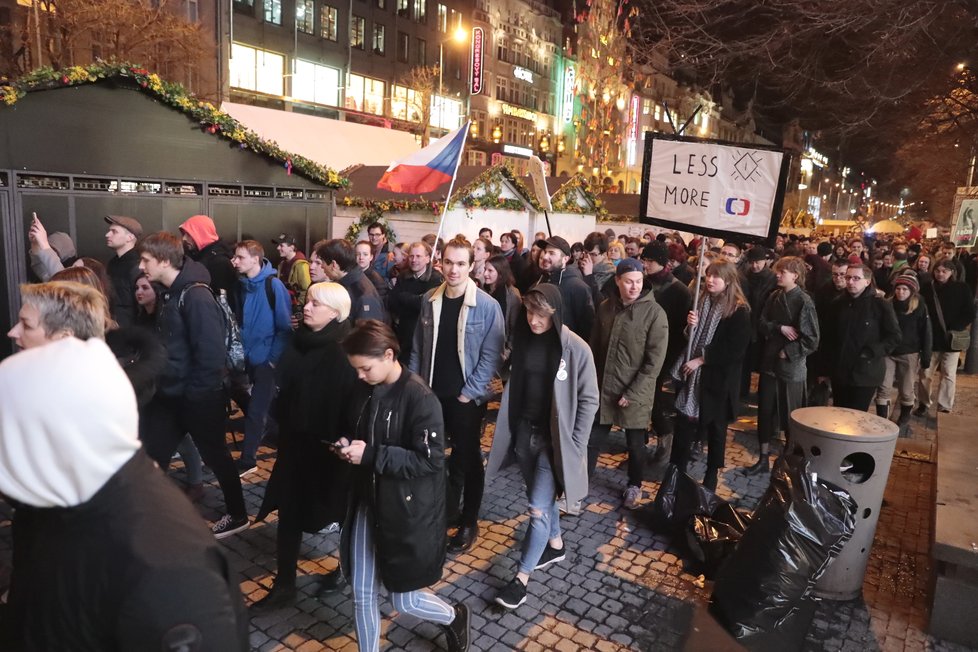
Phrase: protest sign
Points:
(723, 190)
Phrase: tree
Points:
(422, 81)
(74, 32)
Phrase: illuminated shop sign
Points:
(518, 112)
(523, 73)
(570, 77)
(478, 51)
(516, 150)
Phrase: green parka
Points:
(629, 344)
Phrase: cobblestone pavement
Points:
(622, 587)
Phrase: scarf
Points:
(687, 398)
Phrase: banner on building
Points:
(478, 59)
(964, 233)
(712, 188)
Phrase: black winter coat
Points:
(365, 303)
(142, 356)
(859, 333)
(720, 378)
(123, 271)
(676, 300)
(760, 285)
(916, 329)
(402, 478)
(404, 304)
(958, 306)
(216, 258)
(132, 569)
(193, 336)
(309, 483)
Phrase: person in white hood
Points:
(107, 553)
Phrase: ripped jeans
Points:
(533, 450)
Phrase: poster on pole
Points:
(539, 178)
(718, 189)
(964, 232)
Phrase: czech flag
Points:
(428, 168)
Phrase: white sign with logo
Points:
(717, 189)
(964, 233)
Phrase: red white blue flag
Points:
(428, 168)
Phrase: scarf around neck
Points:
(688, 395)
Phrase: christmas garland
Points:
(372, 213)
(565, 199)
(490, 178)
(210, 118)
(395, 206)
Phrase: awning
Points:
(332, 143)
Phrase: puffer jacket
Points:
(402, 478)
(629, 345)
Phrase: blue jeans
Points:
(541, 490)
(366, 589)
(262, 393)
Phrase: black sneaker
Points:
(458, 634)
(512, 595)
(245, 467)
(229, 525)
(277, 598)
(550, 556)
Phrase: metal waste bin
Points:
(852, 450)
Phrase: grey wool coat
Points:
(575, 402)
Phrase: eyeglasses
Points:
(375, 235)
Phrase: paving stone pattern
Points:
(622, 587)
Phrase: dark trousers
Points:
(635, 439)
(691, 430)
(776, 399)
(749, 365)
(254, 393)
(466, 475)
(852, 396)
(203, 416)
(663, 407)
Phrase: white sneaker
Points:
(632, 495)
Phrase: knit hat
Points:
(909, 279)
(63, 244)
(628, 265)
(657, 252)
(758, 252)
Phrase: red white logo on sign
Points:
(478, 50)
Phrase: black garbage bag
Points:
(711, 539)
(797, 529)
(679, 498)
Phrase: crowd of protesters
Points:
(369, 367)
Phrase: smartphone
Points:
(335, 446)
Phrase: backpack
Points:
(234, 347)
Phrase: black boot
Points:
(331, 582)
(279, 597)
(761, 465)
(906, 411)
(883, 410)
(457, 633)
(710, 479)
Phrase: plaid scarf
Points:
(688, 395)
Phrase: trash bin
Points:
(852, 450)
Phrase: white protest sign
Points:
(964, 233)
(722, 190)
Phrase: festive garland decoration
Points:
(372, 213)
(395, 206)
(565, 199)
(210, 118)
(491, 179)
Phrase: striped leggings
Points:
(366, 589)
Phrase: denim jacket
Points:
(481, 335)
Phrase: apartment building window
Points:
(273, 12)
(421, 47)
(403, 43)
(501, 93)
(382, 4)
(456, 20)
(657, 114)
(378, 39)
(421, 11)
(406, 104)
(315, 83)
(365, 94)
(193, 11)
(358, 32)
(257, 70)
(442, 18)
(404, 8)
(327, 22)
(305, 16)
(646, 106)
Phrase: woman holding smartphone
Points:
(394, 532)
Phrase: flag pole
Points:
(451, 186)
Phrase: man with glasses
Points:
(861, 330)
(598, 271)
(380, 248)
